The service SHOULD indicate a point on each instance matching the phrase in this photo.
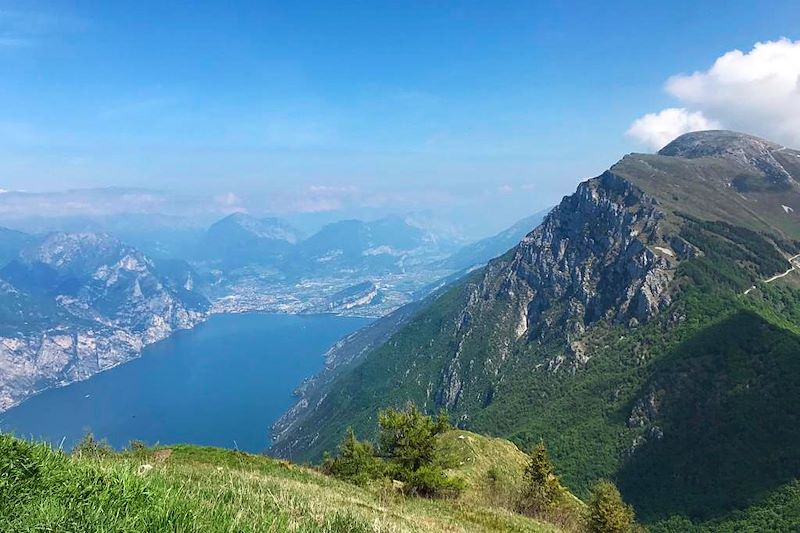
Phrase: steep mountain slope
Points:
(346, 353)
(726, 176)
(619, 332)
(480, 252)
(75, 304)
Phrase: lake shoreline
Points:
(306, 349)
(175, 332)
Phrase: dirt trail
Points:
(795, 265)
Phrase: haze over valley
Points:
(82, 300)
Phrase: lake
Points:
(220, 384)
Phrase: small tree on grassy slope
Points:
(607, 512)
(355, 461)
(408, 453)
(90, 447)
(408, 437)
(542, 491)
(408, 443)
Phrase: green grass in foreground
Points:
(188, 488)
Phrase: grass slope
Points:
(494, 471)
(492, 468)
(700, 188)
(189, 488)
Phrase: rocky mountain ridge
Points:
(77, 304)
(601, 253)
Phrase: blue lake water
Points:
(220, 384)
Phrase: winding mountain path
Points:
(794, 261)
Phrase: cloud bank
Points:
(756, 92)
(658, 129)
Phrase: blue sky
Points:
(346, 106)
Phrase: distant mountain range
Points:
(385, 245)
(480, 252)
(258, 264)
(648, 330)
(75, 303)
(348, 245)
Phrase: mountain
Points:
(11, 242)
(366, 268)
(240, 239)
(385, 245)
(646, 330)
(480, 252)
(74, 304)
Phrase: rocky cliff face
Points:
(596, 256)
(80, 304)
(601, 254)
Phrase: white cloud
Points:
(756, 92)
(658, 129)
(229, 203)
(318, 199)
(81, 202)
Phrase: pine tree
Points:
(409, 437)
(542, 489)
(607, 512)
(355, 461)
(408, 443)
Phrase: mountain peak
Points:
(716, 143)
(82, 250)
(775, 162)
(259, 228)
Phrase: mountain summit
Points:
(240, 239)
(717, 143)
(778, 164)
(269, 228)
